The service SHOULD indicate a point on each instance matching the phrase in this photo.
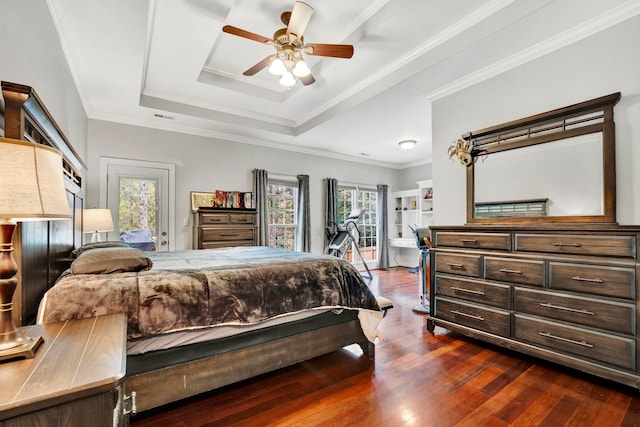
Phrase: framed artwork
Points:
(201, 199)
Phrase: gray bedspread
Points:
(201, 288)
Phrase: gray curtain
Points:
(303, 231)
(331, 209)
(260, 191)
(383, 225)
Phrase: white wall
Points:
(31, 55)
(599, 65)
(205, 164)
(408, 177)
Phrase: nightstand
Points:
(76, 377)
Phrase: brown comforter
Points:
(194, 289)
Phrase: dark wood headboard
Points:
(42, 248)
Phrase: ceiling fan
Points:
(289, 44)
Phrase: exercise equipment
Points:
(347, 237)
(423, 241)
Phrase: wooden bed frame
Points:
(42, 252)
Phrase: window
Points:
(282, 200)
(137, 208)
(367, 200)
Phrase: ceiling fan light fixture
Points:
(287, 79)
(407, 144)
(301, 69)
(277, 67)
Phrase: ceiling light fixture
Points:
(288, 63)
(287, 79)
(407, 144)
(277, 67)
(301, 69)
(289, 45)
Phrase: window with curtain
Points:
(350, 198)
(282, 207)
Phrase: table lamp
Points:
(96, 221)
(32, 189)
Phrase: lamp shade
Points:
(96, 220)
(31, 182)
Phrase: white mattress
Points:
(192, 336)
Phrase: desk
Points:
(76, 377)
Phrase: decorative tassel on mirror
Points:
(462, 149)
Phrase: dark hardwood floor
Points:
(419, 379)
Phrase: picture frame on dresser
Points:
(200, 199)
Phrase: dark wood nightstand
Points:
(76, 377)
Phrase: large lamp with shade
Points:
(96, 221)
(31, 189)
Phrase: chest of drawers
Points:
(217, 228)
(75, 379)
(568, 295)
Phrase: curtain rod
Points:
(356, 185)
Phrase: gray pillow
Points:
(111, 260)
(98, 245)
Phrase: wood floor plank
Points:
(422, 379)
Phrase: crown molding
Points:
(58, 22)
(166, 125)
(599, 23)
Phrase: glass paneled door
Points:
(138, 197)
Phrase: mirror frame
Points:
(546, 127)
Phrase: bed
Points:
(199, 319)
(203, 360)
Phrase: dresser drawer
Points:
(213, 218)
(466, 265)
(599, 280)
(501, 241)
(528, 272)
(222, 244)
(227, 233)
(612, 316)
(483, 318)
(614, 350)
(493, 294)
(241, 219)
(620, 246)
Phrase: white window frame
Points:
(355, 204)
(288, 182)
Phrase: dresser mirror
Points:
(557, 166)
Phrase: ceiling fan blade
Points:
(259, 66)
(300, 16)
(332, 50)
(246, 34)
(307, 80)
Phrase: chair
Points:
(141, 239)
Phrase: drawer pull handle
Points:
(555, 337)
(573, 245)
(467, 291)
(573, 310)
(229, 235)
(456, 266)
(471, 316)
(506, 270)
(130, 404)
(586, 279)
(469, 241)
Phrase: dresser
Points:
(75, 379)
(567, 294)
(218, 227)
